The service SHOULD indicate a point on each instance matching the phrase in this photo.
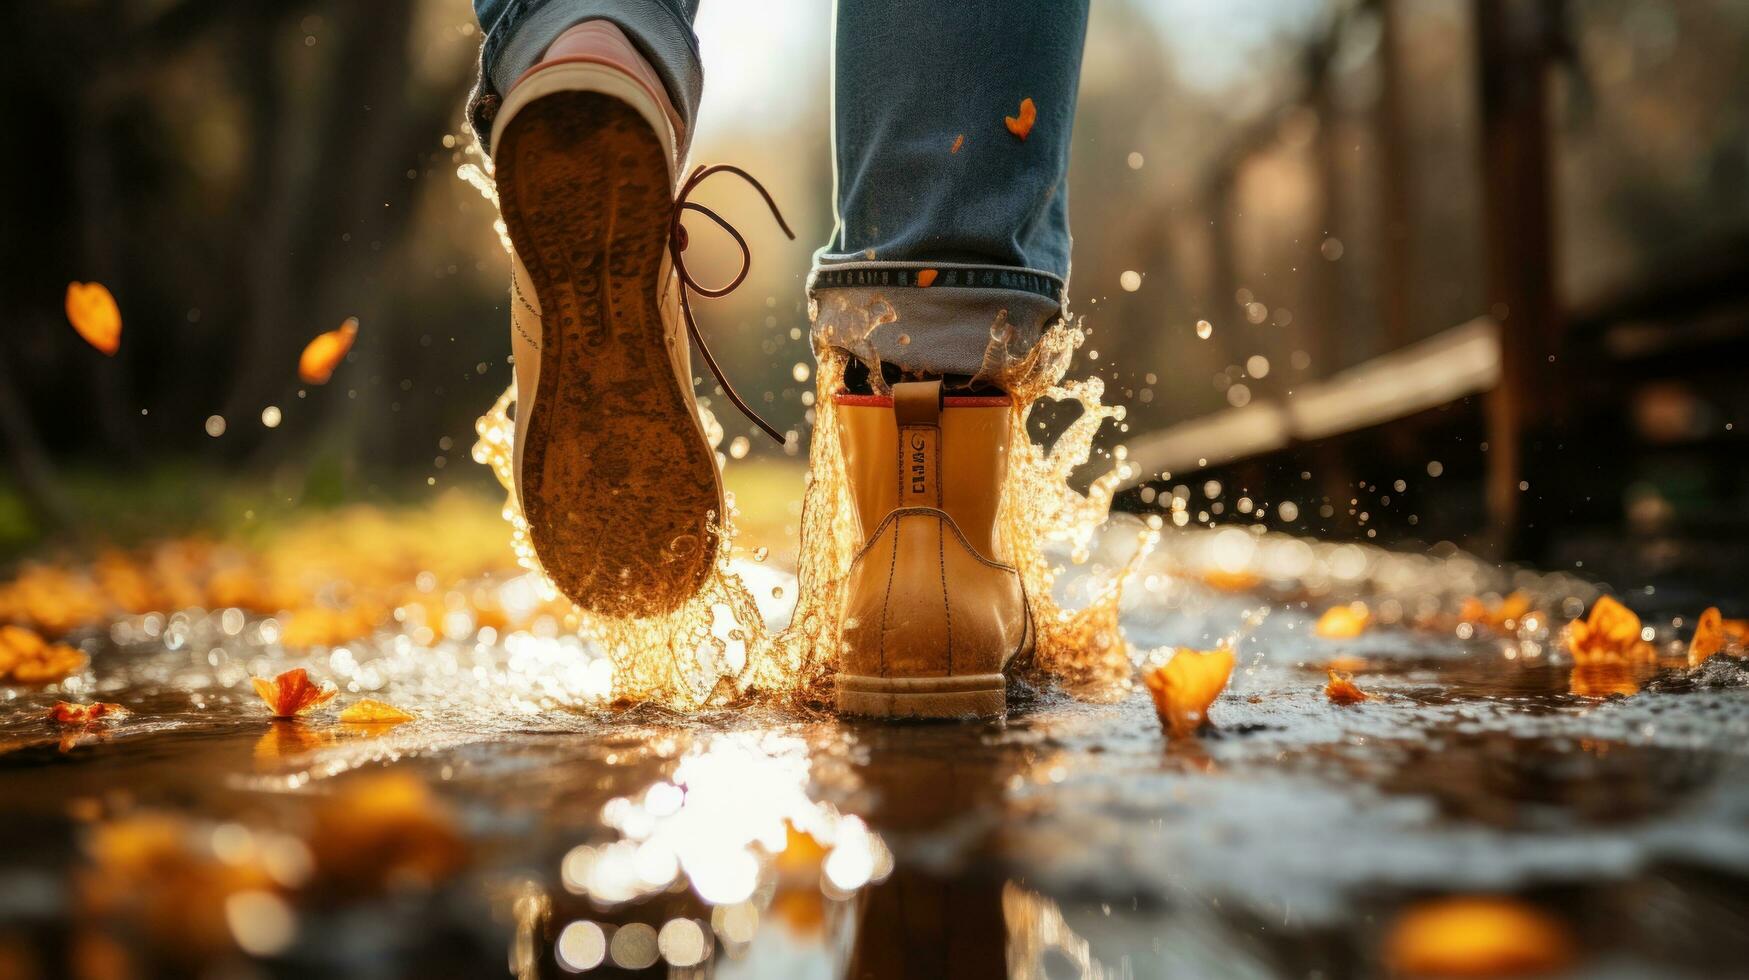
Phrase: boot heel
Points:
(963, 696)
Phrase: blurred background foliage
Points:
(1304, 175)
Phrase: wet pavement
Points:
(510, 831)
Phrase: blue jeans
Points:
(948, 225)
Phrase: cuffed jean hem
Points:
(516, 42)
(940, 318)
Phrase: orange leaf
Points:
(72, 714)
(1343, 622)
(1022, 125)
(1185, 686)
(92, 311)
(926, 278)
(370, 711)
(323, 354)
(1341, 689)
(1709, 636)
(1477, 937)
(27, 658)
(1737, 631)
(958, 141)
(1500, 615)
(291, 693)
(1610, 633)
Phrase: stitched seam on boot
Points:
(893, 517)
(887, 599)
(946, 605)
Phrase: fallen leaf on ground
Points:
(1342, 690)
(27, 658)
(92, 311)
(1499, 615)
(1477, 937)
(926, 278)
(291, 693)
(1610, 633)
(1344, 622)
(1709, 636)
(71, 713)
(958, 141)
(1185, 686)
(1737, 631)
(1022, 124)
(322, 355)
(370, 711)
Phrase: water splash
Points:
(716, 648)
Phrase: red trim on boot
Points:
(949, 401)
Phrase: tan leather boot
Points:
(932, 616)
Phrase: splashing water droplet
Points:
(1204, 329)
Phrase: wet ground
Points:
(527, 838)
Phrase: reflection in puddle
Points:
(727, 849)
(1041, 946)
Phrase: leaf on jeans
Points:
(1185, 686)
(291, 693)
(370, 711)
(1342, 690)
(958, 141)
(323, 354)
(1344, 622)
(73, 714)
(1477, 936)
(92, 311)
(1022, 124)
(926, 278)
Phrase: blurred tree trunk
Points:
(1512, 52)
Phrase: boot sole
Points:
(618, 483)
(974, 695)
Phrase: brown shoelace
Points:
(677, 241)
